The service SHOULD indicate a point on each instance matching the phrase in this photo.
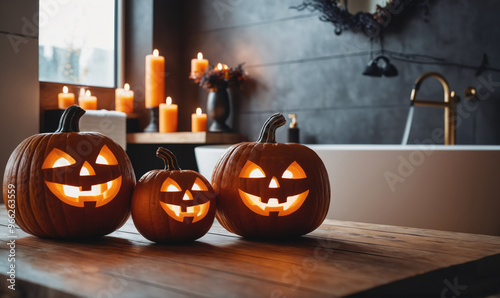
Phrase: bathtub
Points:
(452, 188)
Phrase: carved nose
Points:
(274, 183)
(187, 196)
(87, 170)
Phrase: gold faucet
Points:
(449, 105)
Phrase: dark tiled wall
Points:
(18, 74)
(298, 65)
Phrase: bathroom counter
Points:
(142, 146)
(184, 138)
(340, 258)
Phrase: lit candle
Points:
(65, 99)
(198, 66)
(198, 121)
(168, 116)
(155, 80)
(88, 102)
(124, 99)
(225, 71)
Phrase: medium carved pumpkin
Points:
(267, 189)
(173, 205)
(69, 183)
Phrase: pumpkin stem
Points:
(268, 131)
(168, 158)
(70, 119)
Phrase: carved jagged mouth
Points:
(291, 205)
(73, 195)
(197, 212)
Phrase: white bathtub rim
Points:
(376, 147)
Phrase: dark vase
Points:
(153, 125)
(218, 108)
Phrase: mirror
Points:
(367, 6)
(367, 16)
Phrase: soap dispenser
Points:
(293, 130)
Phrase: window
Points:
(77, 42)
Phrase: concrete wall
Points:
(298, 65)
(19, 100)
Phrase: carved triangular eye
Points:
(57, 159)
(106, 157)
(251, 170)
(170, 185)
(294, 171)
(199, 185)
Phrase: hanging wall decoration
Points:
(343, 17)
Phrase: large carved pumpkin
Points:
(267, 189)
(173, 205)
(69, 183)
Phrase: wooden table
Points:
(340, 258)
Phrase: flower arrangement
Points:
(221, 75)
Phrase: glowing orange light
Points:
(74, 195)
(197, 212)
(254, 203)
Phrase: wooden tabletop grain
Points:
(338, 259)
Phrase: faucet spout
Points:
(449, 104)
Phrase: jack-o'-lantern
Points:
(267, 189)
(173, 205)
(70, 183)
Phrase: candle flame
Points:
(219, 66)
(87, 93)
(200, 56)
(126, 86)
(65, 89)
(169, 100)
(226, 67)
(198, 111)
(155, 53)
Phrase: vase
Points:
(153, 120)
(218, 108)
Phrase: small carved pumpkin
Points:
(70, 183)
(267, 189)
(173, 205)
